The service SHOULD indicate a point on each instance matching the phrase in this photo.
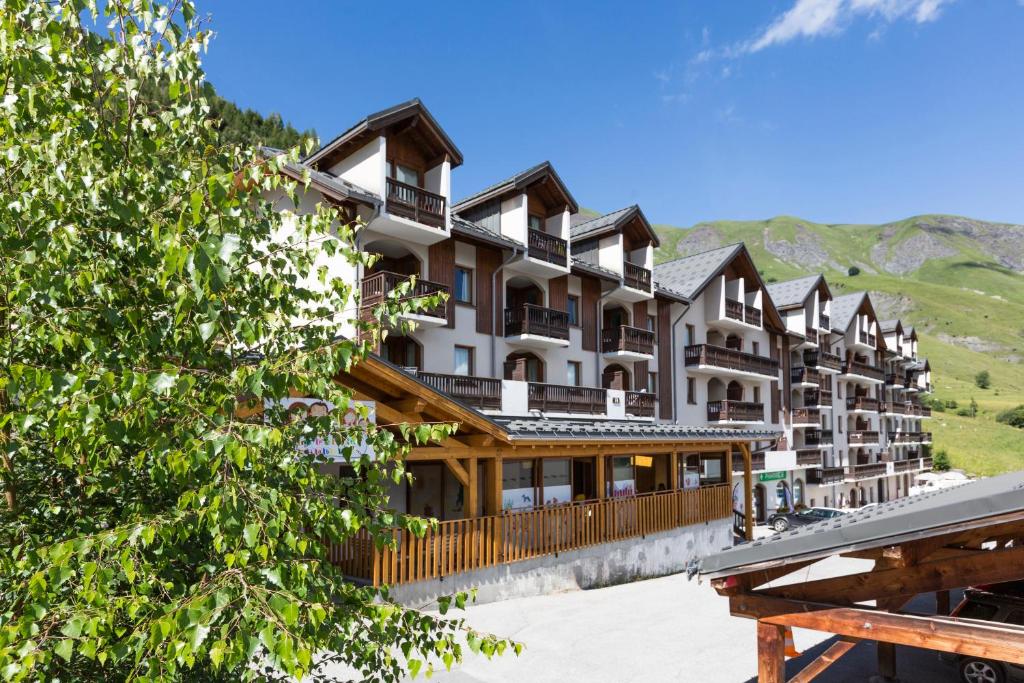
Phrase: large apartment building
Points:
(559, 326)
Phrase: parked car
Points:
(1002, 603)
(787, 520)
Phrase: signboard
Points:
(328, 448)
(771, 476)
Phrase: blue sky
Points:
(832, 110)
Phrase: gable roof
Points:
(890, 325)
(793, 293)
(518, 182)
(844, 308)
(612, 222)
(326, 183)
(970, 506)
(464, 228)
(387, 117)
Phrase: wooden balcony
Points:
(892, 408)
(862, 437)
(561, 398)
(752, 315)
(826, 475)
(729, 359)
(415, 203)
(478, 392)
(628, 340)
(808, 457)
(537, 321)
(640, 403)
(862, 403)
(822, 360)
(900, 466)
(733, 309)
(735, 411)
(817, 397)
(636, 277)
(926, 463)
(376, 287)
(818, 437)
(895, 379)
(859, 369)
(875, 469)
(756, 463)
(806, 416)
(548, 248)
(804, 375)
(463, 545)
(811, 335)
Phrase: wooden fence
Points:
(463, 545)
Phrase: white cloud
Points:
(813, 18)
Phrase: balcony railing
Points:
(823, 321)
(868, 339)
(640, 403)
(865, 403)
(855, 367)
(628, 339)
(415, 203)
(462, 545)
(808, 457)
(862, 437)
(733, 309)
(376, 287)
(756, 463)
(815, 358)
(811, 334)
(818, 437)
(926, 463)
(817, 397)
(752, 315)
(804, 376)
(893, 408)
(479, 392)
(545, 247)
(560, 398)
(826, 475)
(895, 379)
(729, 359)
(735, 411)
(537, 321)
(806, 416)
(875, 469)
(636, 277)
(905, 465)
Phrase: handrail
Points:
(636, 277)
(720, 357)
(375, 287)
(562, 398)
(536, 320)
(626, 338)
(640, 403)
(735, 411)
(480, 392)
(416, 203)
(547, 247)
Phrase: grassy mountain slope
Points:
(959, 281)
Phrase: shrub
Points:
(940, 461)
(853, 271)
(952, 405)
(1013, 417)
(964, 412)
(983, 379)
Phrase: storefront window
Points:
(623, 483)
(782, 495)
(517, 485)
(689, 473)
(798, 491)
(712, 469)
(557, 482)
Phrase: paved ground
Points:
(666, 629)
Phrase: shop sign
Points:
(771, 476)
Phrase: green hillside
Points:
(959, 281)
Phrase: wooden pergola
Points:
(952, 539)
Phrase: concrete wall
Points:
(603, 565)
(366, 167)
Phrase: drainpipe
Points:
(672, 365)
(494, 302)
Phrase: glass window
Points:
(691, 335)
(757, 394)
(798, 492)
(517, 484)
(404, 174)
(464, 360)
(574, 373)
(652, 382)
(463, 285)
(573, 305)
(623, 483)
(755, 348)
(536, 222)
(691, 391)
(557, 481)
(650, 323)
(712, 469)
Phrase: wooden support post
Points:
(942, 602)
(473, 494)
(492, 486)
(887, 661)
(728, 464)
(771, 653)
(748, 492)
(600, 478)
(674, 470)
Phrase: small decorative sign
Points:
(771, 476)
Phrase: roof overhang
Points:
(521, 182)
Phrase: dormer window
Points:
(535, 222)
(404, 174)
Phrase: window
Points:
(651, 323)
(755, 348)
(404, 174)
(575, 373)
(464, 360)
(712, 469)
(573, 305)
(463, 285)
(535, 222)
(517, 486)
(652, 382)
(757, 394)
(691, 391)
(691, 335)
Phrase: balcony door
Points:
(615, 317)
(402, 351)
(524, 367)
(404, 174)
(521, 291)
(615, 377)
(394, 258)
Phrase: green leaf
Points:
(414, 667)
(64, 649)
(250, 534)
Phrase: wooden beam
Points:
(886, 661)
(492, 486)
(476, 440)
(388, 415)
(473, 494)
(990, 640)
(458, 470)
(748, 492)
(771, 653)
(826, 659)
(674, 470)
(990, 566)
(409, 405)
(599, 478)
(742, 583)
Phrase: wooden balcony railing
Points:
(808, 457)
(818, 437)
(733, 309)
(811, 334)
(735, 411)
(636, 277)
(560, 398)
(804, 376)
(463, 545)
(752, 315)
(817, 397)
(626, 338)
(892, 408)
(756, 463)
(806, 416)
(862, 437)
(640, 403)
(823, 321)
(826, 475)
(862, 403)
(855, 367)
(479, 392)
(875, 469)
(915, 410)
(729, 359)
(926, 463)
(868, 339)
(536, 320)
(815, 358)
(895, 379)
(545, 247)
(905, 465)
(375, 288)
(415, 203)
